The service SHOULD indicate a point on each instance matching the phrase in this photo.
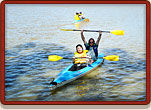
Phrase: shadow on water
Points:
(28, 73)
(124, 80)
(128, 61)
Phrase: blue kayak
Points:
(78, 21)
(67, 76)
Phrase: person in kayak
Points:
(79, 63)
(77, 16)
(81, 15)
(91, 46)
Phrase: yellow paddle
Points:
(56, 58)
(86, 20)
(115, 32)
(111, 58)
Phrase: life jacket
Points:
(77, 17)
(83, 54)
(95, 48)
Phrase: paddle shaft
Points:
(56, 58)
(79, 57)
(91, 30)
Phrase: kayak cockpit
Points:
(67, 76)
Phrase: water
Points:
(33, 33)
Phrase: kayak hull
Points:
(66, 76)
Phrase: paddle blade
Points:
(66, 29)
(117, 32)
(112, 58)
(86, 20)
(54, 58)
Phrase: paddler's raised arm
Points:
(82, 37)
(98, 40)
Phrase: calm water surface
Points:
(33, 33)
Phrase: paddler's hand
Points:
(73, 59)
(81, 31)
(100, 32)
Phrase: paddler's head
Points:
(91, 42)
(79, 48)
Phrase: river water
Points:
(33, 33)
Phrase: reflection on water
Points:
(80, 25)
(28, 73)
(34, 34)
